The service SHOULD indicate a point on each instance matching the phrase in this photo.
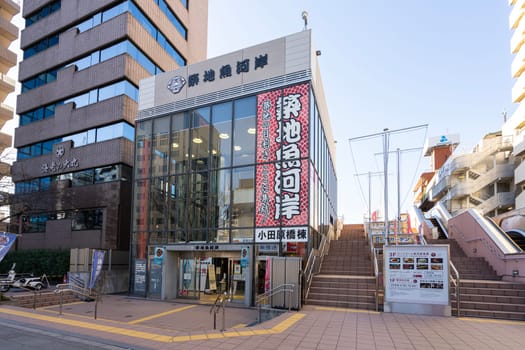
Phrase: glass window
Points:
(107, 174)
(198, 201)
(177, 202)
(158, 207)
(161, 147)
(81, 178)
(243, 188)
(79, 139)
(244, 131)
(143, 148)
(221, 146)
(242, 236)
(180, 125)
(200, 137)
(220, 199)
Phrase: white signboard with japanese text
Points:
(417, 274)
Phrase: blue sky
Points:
(389, 64)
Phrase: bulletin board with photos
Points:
(417, 274)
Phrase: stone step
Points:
(489, 306)
(504, 315)
(342, 304)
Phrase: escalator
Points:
(442, 231)
(518, 236)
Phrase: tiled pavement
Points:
(145, 324)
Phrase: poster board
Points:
(417, 274)
(211, 277)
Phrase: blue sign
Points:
(6, 241)
(96, 267)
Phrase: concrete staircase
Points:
(482, 293)
(346, 278)
(42, 299)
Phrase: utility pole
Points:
(385, 135)
(369, 174)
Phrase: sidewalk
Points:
(146, 324)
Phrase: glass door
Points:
(237, 281)
(189, 278)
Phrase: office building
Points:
(234, 163)
(8, 60)
(82, 63)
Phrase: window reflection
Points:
(221, 135)
(177, 203)
(160, 143)
(243, 187)
(200, 137)
(179, 143)
(244, 131)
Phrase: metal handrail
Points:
(376, 274)
(217, 306)
(314, 262)
(283, 288)
(456, 282)
(85, 292)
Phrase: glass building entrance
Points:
(203, 278)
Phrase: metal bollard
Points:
(223, 319)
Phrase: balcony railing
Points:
(516, 14)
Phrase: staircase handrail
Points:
(455, 281)
(221, 300)
(282, 288)
(70, 287)
(314, 262)
(376, 274)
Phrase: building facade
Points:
(80, 73)
(8, 60)
(234, 163)
(514, 127)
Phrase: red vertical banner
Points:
(282, 157)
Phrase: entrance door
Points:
(237, 283)
(189, 277)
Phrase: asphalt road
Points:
(19, 336)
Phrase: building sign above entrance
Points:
(207, 247)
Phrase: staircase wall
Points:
(475, 242)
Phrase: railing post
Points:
(61, 301)
(96, 305)
(223, 318)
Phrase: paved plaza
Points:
(131, 323)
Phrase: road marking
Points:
(278, 328)
(161, 314)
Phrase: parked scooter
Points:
(33, 283)
(5, 283)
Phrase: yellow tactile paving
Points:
(279, 328)
(161, 314)
(87, 325)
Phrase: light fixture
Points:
(251, 131)
(213, 151)
(175, 145)
(197, 140)
(224, 136)
(237, 148)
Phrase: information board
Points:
(417, 274)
